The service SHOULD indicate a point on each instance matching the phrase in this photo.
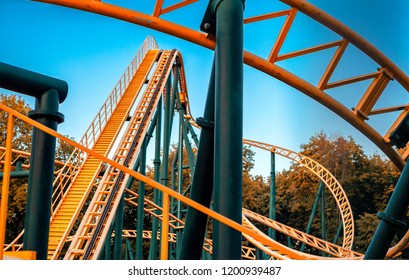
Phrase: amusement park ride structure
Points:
(77, 212)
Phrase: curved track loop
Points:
(327, 178)
(322, 245)
(356, 117)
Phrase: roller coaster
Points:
(83, 199)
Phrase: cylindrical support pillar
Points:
(202, 183)
(49, 92)
(228, 126)
(41, 175)
(313, 212)
(272, 211)
(390, 219)
(140, 210)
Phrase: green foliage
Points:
(22, 131)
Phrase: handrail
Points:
(63, 181)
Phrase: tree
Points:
(22, 131)
(367, 180)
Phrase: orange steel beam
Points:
(177, 6)
(332, 65)
(352, 80)
(261, 64)
(353, 37)
(389, 109)
(283, 34)
(6, 183)
(267, 16)
(309, 50)
(158, 8)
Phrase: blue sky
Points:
(91, 52)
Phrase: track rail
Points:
(99, 216)
(326, 177)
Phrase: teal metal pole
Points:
(119, 225)
(49, 93)
(192, 131)
(129, 252)
(313, 212)
(272, 211)
(202, 183)
(41, 175)
(323, 215)
(180, 156)
(189, 151)
(140, 209)
(338, 233)
(17, 174)
(390, 219)
(156, 164)
(228, 126)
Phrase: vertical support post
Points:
(156, 163)
(202, 183)
(6, 183)
(338, 233)
(119, 224)
(390, 219)
(140, 209)
(272, 211)
(180, 157)
(129, 253)
(49, 92)
(228, 126)
(323, 215)
(313, 212)
(41, 176)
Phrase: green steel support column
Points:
(323, 215)
(289, 242)
(37, 220)
(107, 254)
(17, 174)
(156, 163)
(192, 131)
(140, 209)
(202, 183)
(272, 211)
(180, 171)
(390, 219)
(166, 134)
(228, 126)
(313, 212)
(49, 93)
(129, 253)
(173, 205)
(119, 225)
(189, 152)
(180, 155)
(338, 233)
(167, 129)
